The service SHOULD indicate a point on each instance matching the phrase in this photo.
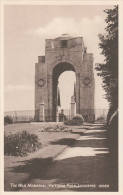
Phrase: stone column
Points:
(49, 98)
(73, 112)
(41, 112)
(57, 116)
(78, 93)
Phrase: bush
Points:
(76, 120)
(56, 128)
(100, 119)
(78, 117)
(20, 144)
(8, 120)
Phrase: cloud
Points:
(89, 28)
(62, 25)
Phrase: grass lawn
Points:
(48, 150)
(44, 137)
(75, 165)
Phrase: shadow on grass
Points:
(91, 127)
(98, 169)
(79, 133)
(94, 133)
(78, 170)
(36, 168)
(94, 143)
(64, 141)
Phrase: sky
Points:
(25, 29)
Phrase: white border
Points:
(63, 2)
(60, 2)
(121, 96)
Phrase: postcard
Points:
(61, 104)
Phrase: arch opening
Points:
(61, 72)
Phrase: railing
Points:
(21, 116)
(29, 115)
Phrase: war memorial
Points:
(64, 53)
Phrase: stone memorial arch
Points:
(63, 54)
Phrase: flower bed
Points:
(20, 144)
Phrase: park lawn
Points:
(48, 150)
(44, 137)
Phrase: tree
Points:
(109, 46)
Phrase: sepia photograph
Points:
(61, 85)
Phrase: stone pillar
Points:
(41, 112)
(49, 103)
(57, 116)
(78, 93)
(73, 111)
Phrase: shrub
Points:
(78, 117)
(56, 128)
(8, 120)
(76, 120)
(20, 144)
(100, 119)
